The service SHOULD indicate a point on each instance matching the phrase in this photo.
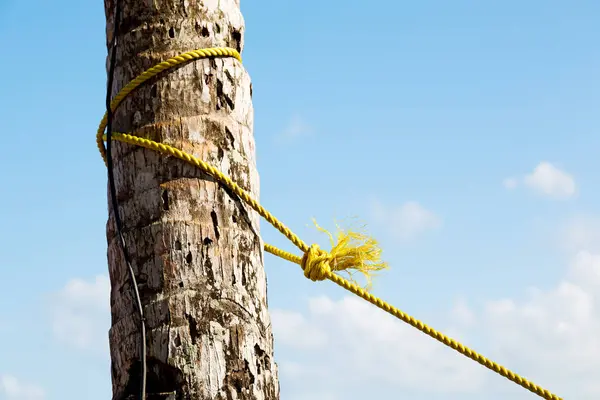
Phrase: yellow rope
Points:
(351, 251)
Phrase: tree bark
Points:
(196, 250)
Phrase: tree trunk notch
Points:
(195, 249)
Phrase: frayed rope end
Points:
(351, 251)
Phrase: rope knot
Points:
(316, 263)
(352, 251)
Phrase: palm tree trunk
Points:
(196, 250)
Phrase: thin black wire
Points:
(113, 197)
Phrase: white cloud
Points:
(553, 333)
(375, 350)
(295, 129)
(581, 232)
(547, 180)
(585, 269)
(294, 330)
(81, 312)
(406, 221)
(14, 389)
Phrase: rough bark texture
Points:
(196, 251)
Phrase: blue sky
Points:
(463, 133)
